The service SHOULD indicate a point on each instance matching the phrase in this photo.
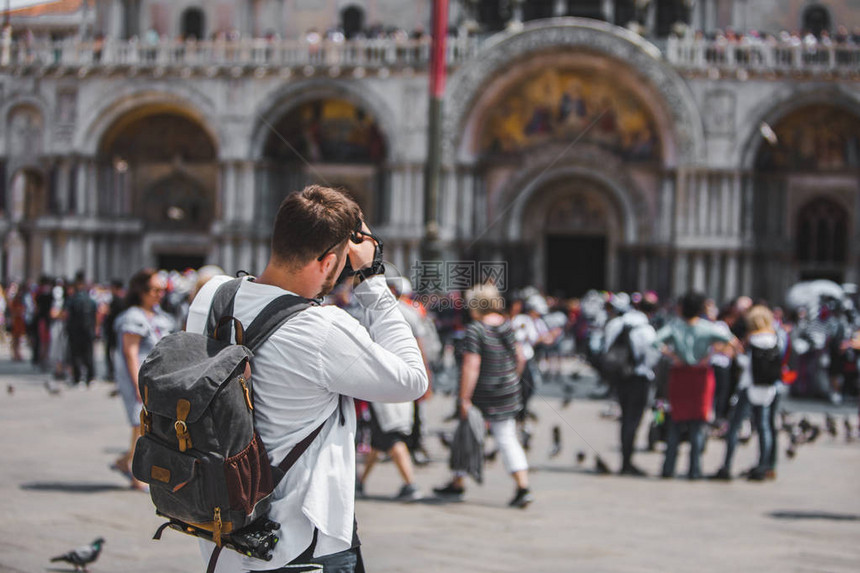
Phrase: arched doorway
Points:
(193, 24)
(821, 244)
(157, 167)
(352, 21)
(332, 142)
(572, 228)
(805, 197)
(816, 19)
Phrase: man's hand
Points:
(361, 254)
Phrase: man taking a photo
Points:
(310, 370)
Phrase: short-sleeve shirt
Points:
(692, 342)
(497, 393)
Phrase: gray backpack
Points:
(206, 467)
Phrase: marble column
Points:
(730, 278)
(245, 194)
(699, 273)
(715, 276)
(89, 263)
(681, 283)
(228, 192)
(228, 260)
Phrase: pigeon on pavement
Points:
(82, 556)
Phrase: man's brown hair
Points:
(310, 221)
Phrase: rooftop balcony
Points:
(689, 56)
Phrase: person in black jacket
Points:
(81, 328)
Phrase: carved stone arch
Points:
(780, 104)
(685, 143)
(280, 102)
(542, 169)
(186, 102)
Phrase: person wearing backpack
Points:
(307, 373)
(631, 335)
(761, 372)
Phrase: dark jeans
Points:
(348, 561)
(697, 444)
(722, 391)
(81, 351)
(632, 397)
(761, 417)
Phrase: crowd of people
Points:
(359, 371)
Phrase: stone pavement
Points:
(58, 493)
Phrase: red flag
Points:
(437, 56)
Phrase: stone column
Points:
(228, 259)
(667, 205)
(730, 278)
(245, 193)
(714, 277)
(65, 170)
(681, 283)
(89, 265)
(47, 257)
(699, 278)
(228, 192)
(465, 196)
(245, 260)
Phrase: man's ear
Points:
(328, 262)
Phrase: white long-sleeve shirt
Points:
(298, 376)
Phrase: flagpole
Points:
(434, 129)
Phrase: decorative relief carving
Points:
(720, 113)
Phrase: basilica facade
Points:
(587, 145)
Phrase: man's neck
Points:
(287, 279)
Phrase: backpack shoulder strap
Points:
(222, 305)
(272, 317)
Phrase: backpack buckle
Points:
(183, 408)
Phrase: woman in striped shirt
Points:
(490, 381)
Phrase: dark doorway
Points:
(669, 13)
(816, 19)
(575, 264)
(193, 24)
(178, 262)
(352, 21)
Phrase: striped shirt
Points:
(497, 393)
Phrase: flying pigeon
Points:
(82, 556)
(556, 442)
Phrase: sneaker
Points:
(420, 457)
(450, 490)
(722, 474)
(409, 493)
(757, 474)
(522, 499)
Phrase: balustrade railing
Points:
(764, 56)
(371, 53)
(683, 54)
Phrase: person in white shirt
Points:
(310, 370)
